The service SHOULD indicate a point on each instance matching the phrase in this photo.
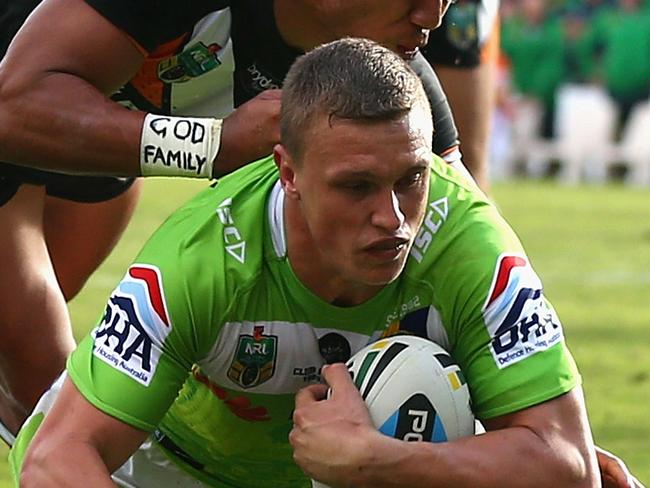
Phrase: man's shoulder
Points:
(221, 223)
(155, 22)
(462, 233)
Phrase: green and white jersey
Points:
(210, 334)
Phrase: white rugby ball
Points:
(413, 389)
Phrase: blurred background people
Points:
(564, 66)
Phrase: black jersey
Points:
(155, 22)
(262, 60)
(189, 65)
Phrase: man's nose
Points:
(387, 214)
(428, 14)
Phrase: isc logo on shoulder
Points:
(519, 319)
(235, 245)
(436, 216)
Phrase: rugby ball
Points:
(413, 389)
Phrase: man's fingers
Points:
(339, 380)
(614, 472)
(310, 394)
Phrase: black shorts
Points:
(84, 189)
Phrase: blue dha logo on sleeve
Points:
(518, 317)
(135, 325)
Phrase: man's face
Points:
(363, 188)
(400, 25)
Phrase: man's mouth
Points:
(387, 249)
(407, 52)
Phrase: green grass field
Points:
(590, 245)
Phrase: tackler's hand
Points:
(249, 133)
(613, 471)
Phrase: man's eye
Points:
(359, 187)
(411, 180)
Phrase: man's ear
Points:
(286, 165)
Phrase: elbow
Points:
(36, 468)
(30, 477)
(579, 470)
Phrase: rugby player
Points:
(178, 63)
(54, 115)
(352, 229)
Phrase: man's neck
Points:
(299, 22)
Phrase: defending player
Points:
(217, 324)
(54, 231)
(54, 114)
(464, 52)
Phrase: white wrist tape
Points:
(179, 146)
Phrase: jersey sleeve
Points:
(503, 331)
(445, 133)
(133, 364)
(152, 23)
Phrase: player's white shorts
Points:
(148, 467)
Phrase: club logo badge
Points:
(255, 357)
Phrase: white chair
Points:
(634, 148)
(585, 124)
(527, 145)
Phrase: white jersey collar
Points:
(276, 220)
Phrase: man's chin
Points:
(386, 274)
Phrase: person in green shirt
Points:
(350, 231)
(579, 55)
(623, 38)
(534, 43)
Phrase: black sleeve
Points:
(154, 22)
(12, 15)
(445, 133)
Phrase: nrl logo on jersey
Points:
(254, 360)
(135, 325)
(518, 317)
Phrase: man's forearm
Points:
(63, 123)
(513, 457)
(70, 465)
(53, 110)
(77, 445)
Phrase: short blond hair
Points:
(354, 79)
